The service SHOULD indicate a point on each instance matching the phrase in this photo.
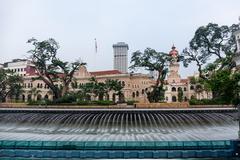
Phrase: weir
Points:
(129, 133)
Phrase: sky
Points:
(74, 24)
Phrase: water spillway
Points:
(118, 125)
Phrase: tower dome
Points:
(173, 52)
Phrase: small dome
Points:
(173, 52)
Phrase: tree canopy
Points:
(152, 60)
(10, 84)
(50, 69)
(213, 48)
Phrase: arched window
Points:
(39, 97)
(185, 98)
(185, 89)
(142, 91)
(173, 89)
(107, 97)
(23, 97)
(174, 99)
(123, 83)
(133, 94)
(192, 97)
(41, 85)
(29, 97)
(166, 98)
(38, 85)
(46, 96)
(137, 94)
(179, 89)
(191, 87)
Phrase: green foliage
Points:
(207, 102)
(10, 85)
(180, 95)
(211, 42)
(103, 102)
(51, 69)
(152, 60)
(100, 89)
(156, 95)
(68, 98)
(131, 102)
(213, 48)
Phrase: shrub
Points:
(131, 102)
(103, 102)
(66, 99)
(83, 103)
(207, 102)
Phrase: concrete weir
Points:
(118, 133)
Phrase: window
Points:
(191, 87)
(137, 94)
(173, 89)
(174, 99)
(133, 94)
(185, 89)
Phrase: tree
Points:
(152, 60)
(211, 42)
(212, 48)
(51, 69)
(180, 95)
(10, 85)
(100, 89)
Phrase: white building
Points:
(120, 52)
(22, 67)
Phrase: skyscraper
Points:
(120, 52)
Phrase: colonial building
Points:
(135, 85)
(175, 84)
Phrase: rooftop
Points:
(106, 72)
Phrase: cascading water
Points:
(117, 126)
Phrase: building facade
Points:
(175, 84)
(22, 67)
(120, 60)
(135, 85)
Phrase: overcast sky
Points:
(75, 23)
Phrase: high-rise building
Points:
(120, 52)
